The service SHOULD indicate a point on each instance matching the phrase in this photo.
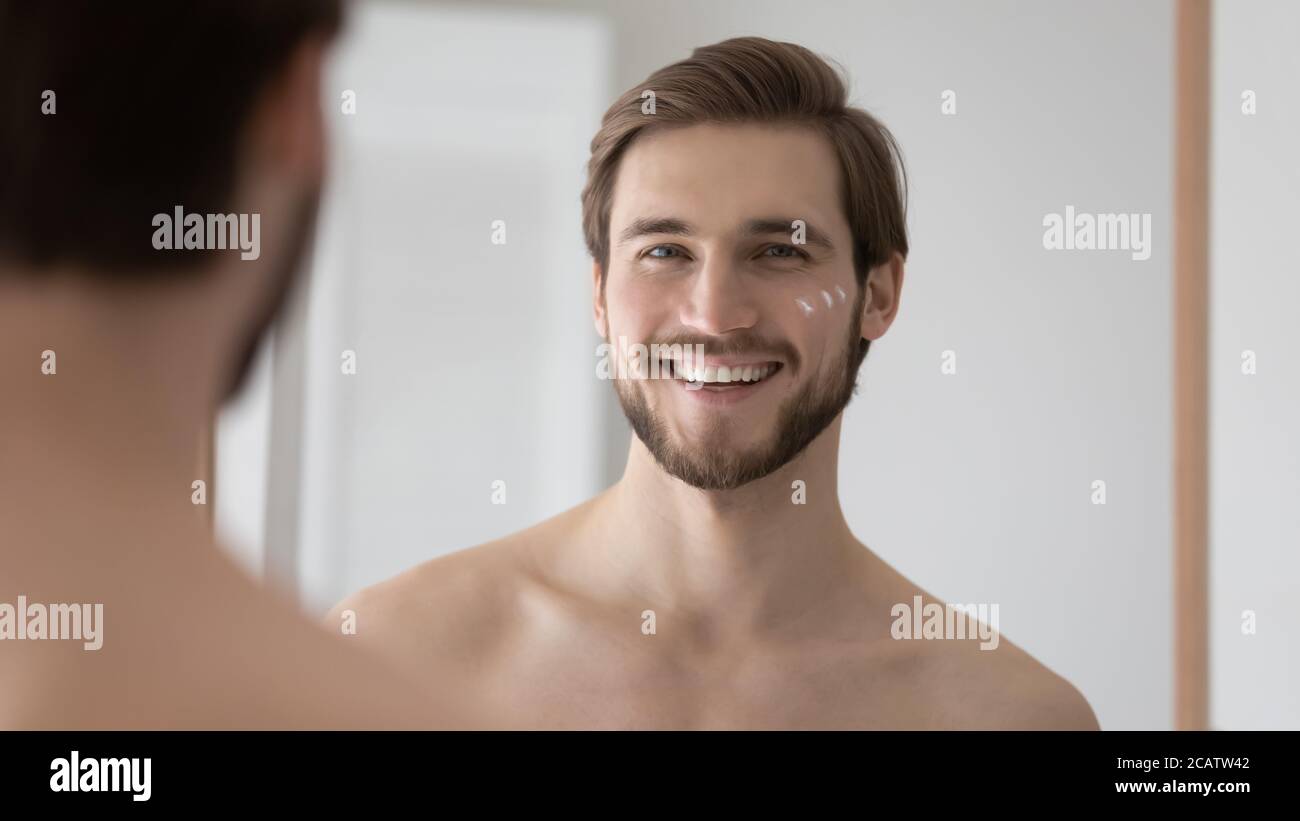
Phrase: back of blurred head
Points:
(113, 114)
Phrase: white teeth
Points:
(721, 374)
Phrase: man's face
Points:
(704, 249)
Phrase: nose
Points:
(718, 299)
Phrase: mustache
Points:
(739, 343)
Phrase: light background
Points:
(1255, 420)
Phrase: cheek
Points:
(819, 350)
(817, 324)
(639, 306)
(821, 303)
(812, 311)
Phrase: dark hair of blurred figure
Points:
(149, 115)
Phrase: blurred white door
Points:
(474, 361)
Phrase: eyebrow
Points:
(655, 225)
(752, 228)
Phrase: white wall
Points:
(475, 361)
(241, 458)
(1254, 438)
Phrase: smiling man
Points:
(745, 208)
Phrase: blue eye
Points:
(651, 252)
(794, 253)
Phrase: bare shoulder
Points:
(461, 594)
(457, 605)
(1005, 688)
(978, 679)
(1056, 704)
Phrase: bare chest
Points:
(626, 689)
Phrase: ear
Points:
(598, 314)
(287, 128)
(884, 287)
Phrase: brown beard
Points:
(800, 420)
(286, 276)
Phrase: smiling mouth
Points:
(723, 376)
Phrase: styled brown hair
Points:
(152, 100)
(756, 80)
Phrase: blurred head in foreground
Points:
(164, 163)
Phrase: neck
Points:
(100, 422)
(742, 560)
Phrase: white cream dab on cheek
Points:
(830, 301)
(805, 306)
(840, 291)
